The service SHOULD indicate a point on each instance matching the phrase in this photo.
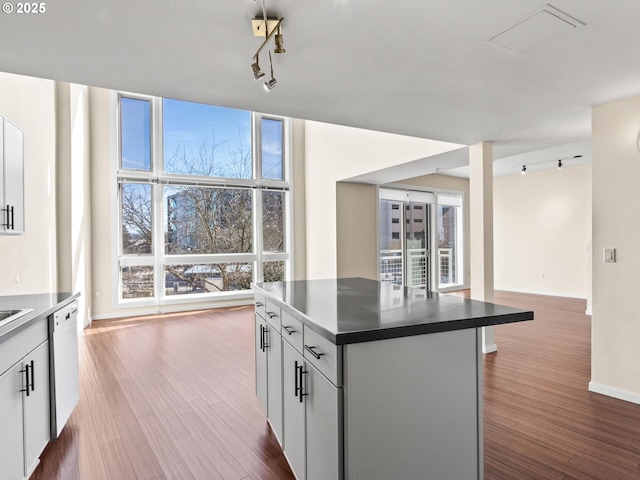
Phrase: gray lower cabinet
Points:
(295, 444)
(24, 396)
(37, 426)
(269, 372)
(312, 406)
(397, 408)
(312, 418)
(12, 438)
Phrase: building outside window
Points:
(203, 200)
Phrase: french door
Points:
(405, 233)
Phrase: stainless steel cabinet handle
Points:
(272, 314)
(288, 329)
(259, 304)
(313, 352)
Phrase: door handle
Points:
(301, 372)
(33, 378)
(7, 222)
(266, 337)
(261, 338)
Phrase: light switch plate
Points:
(609, 255)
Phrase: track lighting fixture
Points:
(268, 28)
(560, 163)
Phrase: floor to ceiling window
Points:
(408, 228)
(203, 197)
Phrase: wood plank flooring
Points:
(540, 420)
(172, 396)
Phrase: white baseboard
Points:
(176, 308)
(489, 348)
(615, 393)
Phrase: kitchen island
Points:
(367, 380)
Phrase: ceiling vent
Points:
(535, 29)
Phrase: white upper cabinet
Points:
(11, 178)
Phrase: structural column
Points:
(481, 225)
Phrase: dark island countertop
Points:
(352, 310)
(42, 305)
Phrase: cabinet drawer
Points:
(292, 331)
(324, 355)
(260, 305)
(13, 349)
(272, 314)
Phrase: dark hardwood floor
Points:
(172, 396)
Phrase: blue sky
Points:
(191, 130)
(188, 128)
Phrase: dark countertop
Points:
(352, 310)
(43, 305)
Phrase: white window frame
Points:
(158, 179)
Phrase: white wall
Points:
(28, 262)
(73, 195)
(334, 153)
(542, 229)
(615, 354)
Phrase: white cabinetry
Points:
(11, 178)
(269, 363)
(12, 438)
(24, 396)
(312, 419)
(37, 427)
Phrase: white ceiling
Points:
(422, 68)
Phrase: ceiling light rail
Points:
(560, 164)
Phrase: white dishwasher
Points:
(64, 369)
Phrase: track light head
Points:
(524, 170)
(279, 47)
(257, 73)
(268, 85)
(559, 164)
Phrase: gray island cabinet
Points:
(362, 380)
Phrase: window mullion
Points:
(158, 224)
